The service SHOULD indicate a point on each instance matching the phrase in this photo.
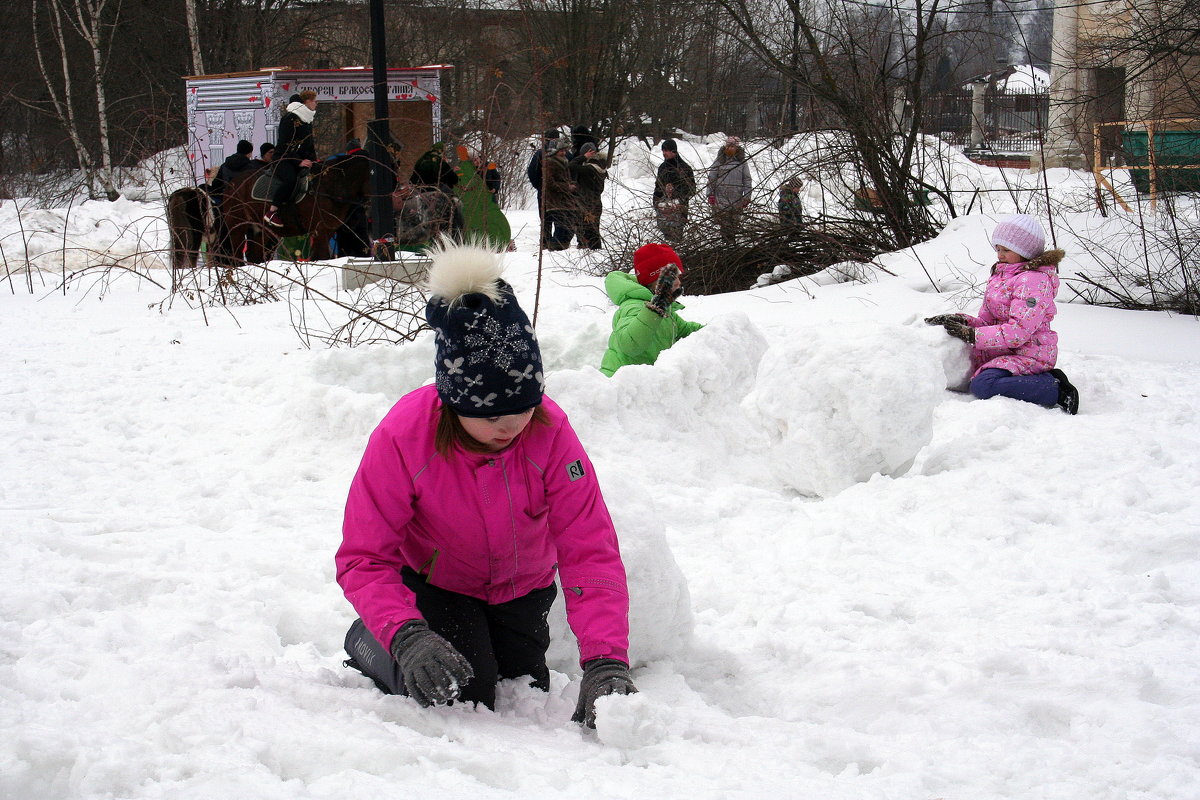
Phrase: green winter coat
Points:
(638, 334)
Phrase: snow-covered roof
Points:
(1016, 79)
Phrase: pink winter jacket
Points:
(1012, 330)
(493, 526)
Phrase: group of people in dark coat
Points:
(237, 165)
(568, 176)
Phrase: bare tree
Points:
(866, 66)
(92, 21)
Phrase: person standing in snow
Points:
(674, 186)
(533, 171)
(588, 172)
(790, 205)
(472, 495)
(729, 187)
(646, 321)
(560, 197)
(1013, 349)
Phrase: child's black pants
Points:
(505, 640)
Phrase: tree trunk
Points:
(194, 37)
(61, 98)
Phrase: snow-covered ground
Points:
(848, 582)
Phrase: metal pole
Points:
(383, 179)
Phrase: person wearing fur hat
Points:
(1013, 348)
(473, 495)
(646, 321)
(295, 149)
(729, 186)
(588, 171)
(674, 185)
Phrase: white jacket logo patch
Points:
(575, 470)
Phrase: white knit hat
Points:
(1022, 234)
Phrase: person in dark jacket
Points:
(534, 173)
(232, 167)
(790, 204)
(588, 172)
(580, 135)
(295, 150)
(560, 197)
(673, 188)
(434, 169)
(266, 154)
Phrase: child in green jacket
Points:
(646, 322)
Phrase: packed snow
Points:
(848, 581)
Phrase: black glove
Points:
(601, 676)
(942, 319)
(433, 671)
(960, 330)
(665, 291)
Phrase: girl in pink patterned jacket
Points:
(1013, 349)
(472, 496)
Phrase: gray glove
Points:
(960, 330)
(601, 676)
(433, 671)
(942, 319)
(665, 291)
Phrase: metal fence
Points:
(1013, 122)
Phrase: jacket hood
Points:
(1050, 258)
(622, 286)
(1047, 262)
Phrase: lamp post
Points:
(382, 228)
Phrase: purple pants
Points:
(1041, 388)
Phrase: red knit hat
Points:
(649, 260)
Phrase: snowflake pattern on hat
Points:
(488, 361)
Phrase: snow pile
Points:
(847, 403)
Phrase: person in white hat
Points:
(1013, 348)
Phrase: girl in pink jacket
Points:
(472, 496)
(1013, 348)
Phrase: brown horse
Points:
(336, 188)
(193, 222)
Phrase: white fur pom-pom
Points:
(460, 269)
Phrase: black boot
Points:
(1068, 395)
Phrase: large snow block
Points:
(843, 403)
(660, 608)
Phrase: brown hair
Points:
(450, 431)
(307, 94)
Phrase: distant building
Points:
(1112, 63)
